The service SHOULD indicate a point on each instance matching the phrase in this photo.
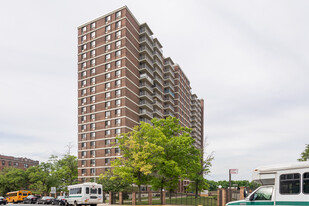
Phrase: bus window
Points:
(264, 193)
(87, 190)
(306, 183)
(290, 183)
(93, 191)
(99, 191)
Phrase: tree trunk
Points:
(196, 189)
(161, 195)
(139, 193)
(170, 195)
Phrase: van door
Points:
(262, 196)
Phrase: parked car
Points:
(31, 199)
(45, 200)
(2, 201)
(60, 200)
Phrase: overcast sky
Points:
(247, 59)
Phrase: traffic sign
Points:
(233, 171)
(53, 190)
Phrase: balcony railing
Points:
(145, 76)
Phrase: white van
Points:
(281, 185)
(87, 194)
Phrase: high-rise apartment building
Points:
(123, 78)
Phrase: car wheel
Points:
(75, 203)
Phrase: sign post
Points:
(53, 191)
(231, 171)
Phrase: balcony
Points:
(145, 120)
(158, 79)
(146, 69)
(168, 99)
(157, 96)
(168, 106)
(144, 103)
(168, 113)
(169, 92)
(158, 71)
(145, 86)
(157, 104)
(144, 94)
(145, 59)
(145, 40)
(158, 63)
(168, 78)
(145, 49)
(158, 88)
(157, 112)
(169, 85)
(145, 30)
(146, 77)
(145, 113)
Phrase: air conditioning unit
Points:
(83, 156)
(83, 130)
(83, 165)
(106, 107)
(83, 174)
(93, 155)
(83, 121)
(93, 128)
(106, 163)
(118, 65)
(93, 165)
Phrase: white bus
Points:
(281, 185)
(85, 194)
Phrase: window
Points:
(93, 43)
(107, 95)
(107, 56)
(264, 193)
(93, 62)
(84, 47)
(117, 112)
(107, 151)
(107, 37)
(84, 153)
(118, 73)
(118, 44)
(118, 92)
(84, 73)
(87, 190)
(84, 56)
(107, 123)
(84, 38)
(92, 171)
(118, 24)
(107, 47)
(83, 127)
(92, 71)
(83, 162)
(84, 29)
(83, 109)
(92, 98)
(92, 143)
(92, 125)
(118, 131)
(117, 150)
(107, 161)
(84, 144)
(107, 114)
(118, 53)
(92, 134)
(92, 80)
(107, 104)
(9, 163)
(108, 18)
(92, 34)
(118, 63)
(290, 183)
(92, 107)
(93, 25)
(3, 162)
(107, 85)
(92, 53)
(92, 161)
(83, 172)
(118, 34)
(83, 136)
(108, 75)
(92, 116)
(92, 89)
(107, 66)
(118, 101)
(118, 14)
(83, 118)
(117, 121)
(83, 91)
(306, 183)
(108, 28)
(99, 191)
(84, 100)
(107, 132)
(84, 82)
(92, 152)
(118, 82)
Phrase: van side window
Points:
(99, 192)
(306, 183)
(87, 190)
(290, 183)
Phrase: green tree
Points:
(138, 155)
(66, 170)
(113, 183)
(304, 154)
(12, 179)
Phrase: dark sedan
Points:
(45, 200)
(2, 201)
(60, 200)
(31, 199)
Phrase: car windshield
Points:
(60, 197)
